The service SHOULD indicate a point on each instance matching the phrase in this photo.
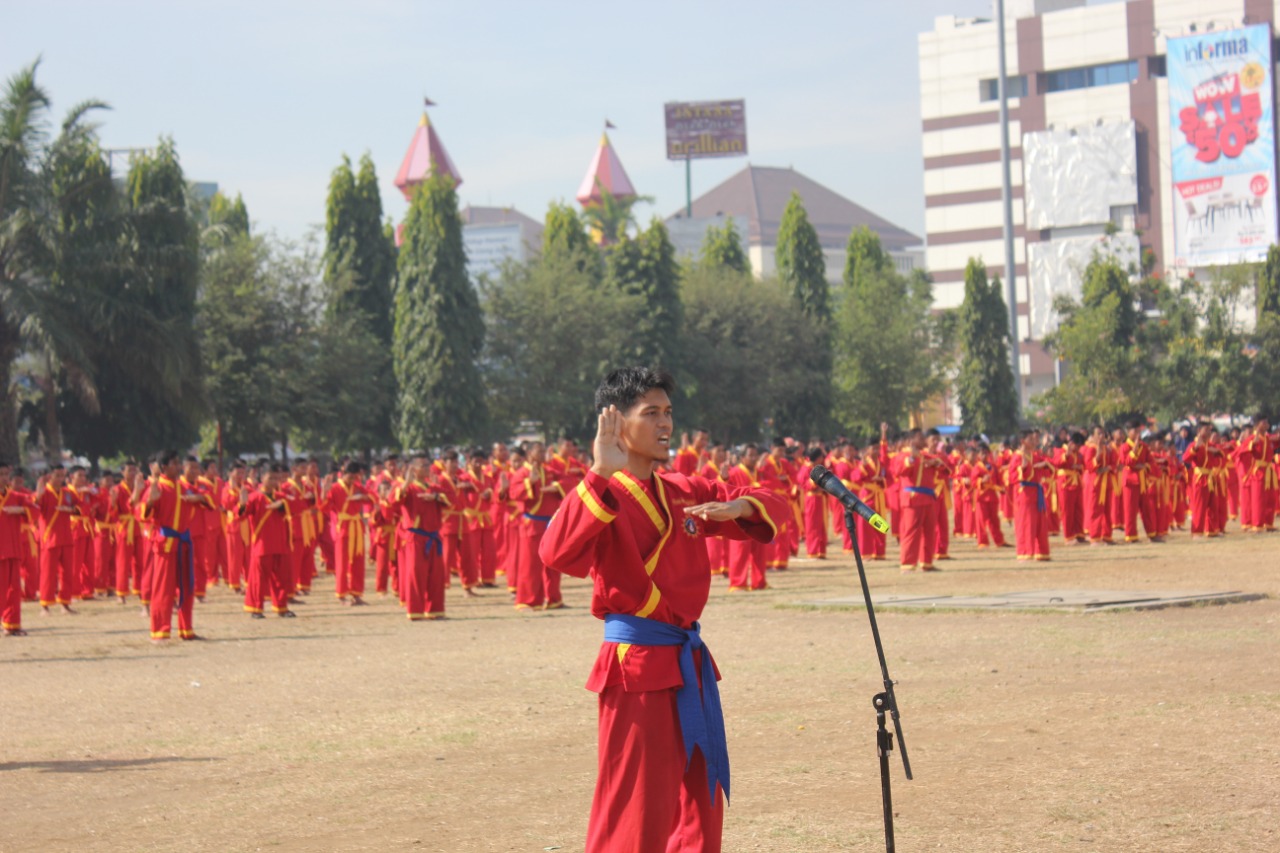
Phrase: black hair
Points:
(932, 432)
(1137, 423)
(352, 467)
(239, 463)
(164, 457)
(1077, 438)
(279, 468)
(622, 387)
(477, 453)
(815, 454)
(449, 456)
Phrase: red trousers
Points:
(57, 573)
(460, 559)
(348, 563)
(870, 540)
(987, 520)
(31, 573)
(1204, 519)
(216, 558)
(421, 578)
(535, 583)
(919, 530)
(169, 578)
(1097, 516)
(718, 554)
(646, 799)
(130, 558)
(479, 543)
(1138, 502)
(104, 561)
(268, 572)
(83, 568)
(778, 552)
(1264, 505)
(944, 528)
(11, 594)
(1071, 511)
(815, 526)
(1030, 524)
(237, 558)
(304, 567)
(384, 562)
(747, 564)
(325, 541)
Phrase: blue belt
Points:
(184, 544)
(701, 717)
(432, 541)
(922, 490)
(1039, 492)
(545, 519)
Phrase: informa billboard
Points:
(698, 129)
(1223, 146)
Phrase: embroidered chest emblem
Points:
(690, 526)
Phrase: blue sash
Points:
(545, 519)
(922, 490)
(184, 544)
(701, 717)
(432, 541)
(1039, 492)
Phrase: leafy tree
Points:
(1268, 298)
(747, 352)
(612, 217)
(552, 332)
(563, 235)
(722, 249)
(864, 256)
(359, 267)
(646, 267)
(985, 385)
(231, 216)
(890, 354)
(439, 330)
(801, 264)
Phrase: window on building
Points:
(1157, 66)
(1106, 74)
(989, 90)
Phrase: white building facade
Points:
(1092, 143)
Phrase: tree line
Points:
(133, 316)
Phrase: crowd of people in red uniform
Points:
(267, 530)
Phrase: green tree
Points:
(722, 249)
(359, 268)
(612, 217)
(439, 329)
(231, 216)
(1103, 380)
(864, 256)
(646, 267)
(802, 268)
(552, 332)
(985, 385)
(563, 235)
(1268, 288)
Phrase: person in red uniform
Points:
(347, 502)
(1200, 457)
(747, 556)
(987, 486)
(478, 541)
(916, 474)
(539, 493)
(419, 503)
(1069, 463)
(869, 477)
(815, 508)
(301, 495)
(773, 472)
(238, 532)
(130, 554)
(636, 531)
(453, 525)
(1030, 477)
(268, 511)
(692, 456)
(14, 506)
(383, 532)
(1263, 479)
(215, 558)
(82, 529)
(1139, 495)
(841, 463)
(172, 559)
(942, 487)
(58, 507)
(499, 471)
(30, 527)
(714, 470)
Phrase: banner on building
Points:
(698, 129)
(1222, 145)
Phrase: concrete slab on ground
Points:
(1070, 600)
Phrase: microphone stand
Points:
(883, 701)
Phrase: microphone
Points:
(831, 484)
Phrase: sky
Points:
(265, 98)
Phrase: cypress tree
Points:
(359, 260)
(800, 261)
(722, 249)
(565, 236)
(985, 386)
(646, 267)
(439, 329)
(864, 256)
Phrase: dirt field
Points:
(358, 730)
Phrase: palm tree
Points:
(609, 220)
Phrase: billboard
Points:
(1222, 146)
(698, 129)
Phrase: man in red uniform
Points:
(747, 556)
(14, 506)
(419, 504)
(538, 492)
(714, 470)
(916, 473)
(383, 530)
(301, 495)
(172, 558)
(347, 503)
(691, 457)
(1030, 478)
(636, 532)
(1264, 481)
(59, 508)
(942, 486)
(238, 533)
(1200, 456)
(215, 538)
(1139, 494)
(815, 508)
(987, 486)
(454, 523)
(268, 512)
(774, 473)
(130, 551)
(1070, 468)
(477, 535)
(868, 476)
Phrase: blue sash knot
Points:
(184, 545)
(545, 519)
(701, 717)
(1030, 484)
(431, 541)
(922, 490)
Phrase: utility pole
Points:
(1006, 197)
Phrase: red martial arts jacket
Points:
(647, 558)
(56, 526)
(13, 539)
(270, 530)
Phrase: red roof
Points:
(605, 172)
(426, 156)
